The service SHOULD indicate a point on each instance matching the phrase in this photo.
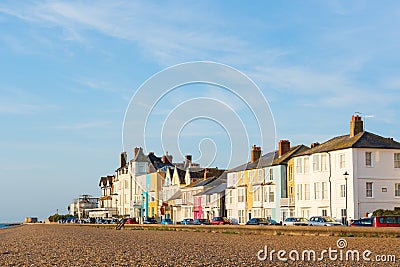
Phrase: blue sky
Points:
(69, 68)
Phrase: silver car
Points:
(297, 221)
(323, 221)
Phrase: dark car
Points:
(220, 221)
(364, 222)
(187, 221)
(295, 221)
(201, 222)
(258, 221)
(150, 221)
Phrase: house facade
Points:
(259, 188)
(372, 167)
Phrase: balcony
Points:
(287, 202)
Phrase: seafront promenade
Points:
(65, 245)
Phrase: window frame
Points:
(369, 190)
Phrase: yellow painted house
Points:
(290, 187)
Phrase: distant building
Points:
(81, 206)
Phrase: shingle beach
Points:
(61, 245)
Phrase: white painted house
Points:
(372, 163)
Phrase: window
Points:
(342, 161)
(306, 192)
(260, 176)
(241, 195)
(252, 177)
(241, 178)
(368, 189)
(257, 213)
(316, 163)
(306, 165)
(230, 197)
(126, 184)
(368, 159)
(290, 173)
(342, 190)
(343, 212)
(324, 212)
(291, 196)
(299, 165)
(299, 192)
(271, 174)
(267, 213)
(257, 193)
(317, 190)
(265, 189)
(305, 213)
(229, 214)
(324, 162)
(242, 216)
(271, 193)
(397, 190)
(397, 160)
(324, 190)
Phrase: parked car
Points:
(258, 221)
(166, 221)
(201, 222)
(295, 221)
(131, 221)
(323, 221)
(150, 221)
(363, 222)
(187, 221)
(220, 221)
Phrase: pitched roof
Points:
(272, 158)
(140, 156)
(361, 140)
(216, 189)
(202, 182)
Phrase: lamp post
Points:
(346, 176)
(116, 201)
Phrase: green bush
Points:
(382, 212)
(56, 217)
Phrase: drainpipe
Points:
(330, 185)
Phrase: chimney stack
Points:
(356, 125)
(166, 158)
(135, 152)
(188, 159)
(123, 159)
(315, 144)
(283, 147)
(255, 153)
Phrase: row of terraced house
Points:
(346, 177)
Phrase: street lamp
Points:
(116, 201)
(346, 176)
